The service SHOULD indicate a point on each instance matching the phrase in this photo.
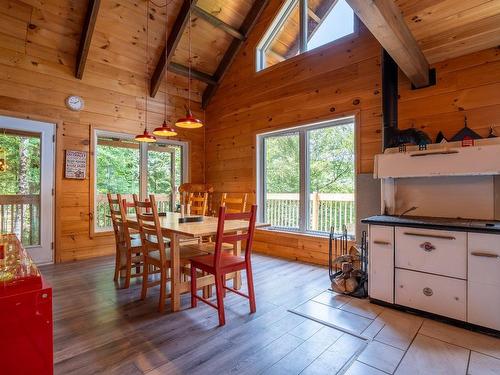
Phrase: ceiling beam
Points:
(385, 21)
(173, 40)
(86, 38)
(196, 74)
(218, 23)
(226, 61)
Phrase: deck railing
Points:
(103, 222)
(20, 214)
(325, 210)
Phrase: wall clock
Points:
(75, 103)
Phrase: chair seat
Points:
(209, 247)
(227, 261)
(186, 253)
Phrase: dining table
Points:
(181, 231)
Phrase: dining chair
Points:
(156, 251)
(221, 263)
(128, 247)
(234, 204)
(196, 195)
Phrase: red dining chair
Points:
(221, 263)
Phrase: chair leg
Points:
(117, 265)
(220, 300)
(138, 265)
(163, 287)
(251, 291)
(145, 275)
(194, 301)
(128, 270)
(223, 278)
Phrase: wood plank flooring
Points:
(99, 328)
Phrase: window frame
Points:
(277, 24)
(143, 167)
(304, 193)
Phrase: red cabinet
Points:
(25, 313)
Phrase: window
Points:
(306, 177)
(303, 25)
(126, 167)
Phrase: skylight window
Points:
(303, 25)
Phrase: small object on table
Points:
(465, 132)
(441, 138)
(492, 133)
(190, 219)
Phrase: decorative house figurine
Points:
(465, 132)
(492, 133)
(441, 138)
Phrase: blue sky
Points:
(338, 23)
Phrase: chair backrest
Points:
(234, 204)
(119, 220)
(198, 203)
(246, 235)
(149, 225)
(196, 195)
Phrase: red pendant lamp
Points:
(189, 122)
(146, 137)
(165, 130)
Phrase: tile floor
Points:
(396, 342)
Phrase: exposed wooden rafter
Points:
(247, 25)
(385, 21)
(218, 23)
(173, 39)
(86, 38)
(184, 71)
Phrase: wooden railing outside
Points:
(325, 210)
(103, 222)
(20, 214)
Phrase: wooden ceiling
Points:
(449, 28)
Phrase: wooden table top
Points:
(207, 227)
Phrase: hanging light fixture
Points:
(189, 122)
(146, 136)
(165, 130)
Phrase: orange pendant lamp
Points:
(189, 121)
(165, 130)
(146, 137)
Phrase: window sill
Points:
(312, 234)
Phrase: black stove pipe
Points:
(389, 97)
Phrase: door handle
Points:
(484, 254)
(430, 235)
(377, 242)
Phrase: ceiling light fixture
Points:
(189, 122)
(146, 136)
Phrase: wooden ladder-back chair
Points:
(221, 263)
(234, 205)
(156, 251)
(128, 247)
(196, 195)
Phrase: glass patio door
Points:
(26, 184)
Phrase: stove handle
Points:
(430, 235)
(484, 254)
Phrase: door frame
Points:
(48, 150)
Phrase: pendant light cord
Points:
(147, 65)
(189, 75)
(166, 56)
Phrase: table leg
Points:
(237, 276)
(176, 272)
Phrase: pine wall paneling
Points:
(331, 81)
(38, 44)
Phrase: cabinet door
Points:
(381, 263)
(484, 280)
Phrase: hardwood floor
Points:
(101, 329)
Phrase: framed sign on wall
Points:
(76, 164)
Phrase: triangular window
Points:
(303, 25)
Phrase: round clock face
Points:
(75, 103)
